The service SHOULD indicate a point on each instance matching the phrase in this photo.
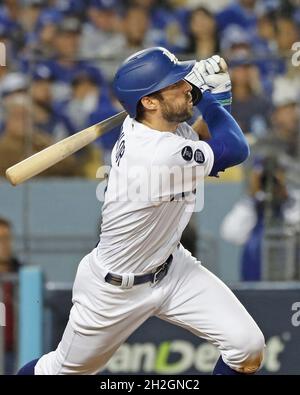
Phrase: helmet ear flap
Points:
(196, 94)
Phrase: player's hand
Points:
(217, 77)
(218, 83)
(196, 76)
(210, 74)
(214, 64)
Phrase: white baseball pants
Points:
(103, 315)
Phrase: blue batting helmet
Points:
(146, 72)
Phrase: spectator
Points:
(235, 43)
(30, 15)
(10, 14)
(41, 41)
(90, 103)
(249, 107)
(293, 76)
(266, 33)
(245, 224)
(17, 141)
(241, 13)
(101, 36)
(8, 264)
(175, 26)
(12, 84)
(67, 63)
(67, 39)
(167, 23)
(212, 6)
(291, 9)
(87, 98)
(70, 7)
(41, 84)
(286, 34)
(135, 25)
(47, 115)
(203, 37)
(285, 117)
(265, 49)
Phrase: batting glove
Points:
(204, 72)
(218, 83)
(212, 65)
(196, 76)
(216, 78)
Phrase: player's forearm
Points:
(201, 129)
(228, 142)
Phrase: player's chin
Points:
(179, 114)
(190, 108)
(188, 113)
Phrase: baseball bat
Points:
(223, 65)
(49, 156)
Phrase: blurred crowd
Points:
(61, 56)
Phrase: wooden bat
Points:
(49, 156)
(223, 66)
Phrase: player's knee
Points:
(252, 352)
(252, 364)
(247, 350)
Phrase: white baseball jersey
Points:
(136, 235)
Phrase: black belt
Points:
(154, 277)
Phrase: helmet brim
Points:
(179, 72)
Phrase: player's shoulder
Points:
(176, 150)
(186, 131)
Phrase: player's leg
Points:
(28, 369)
(102, 317)
(198, 301)
(77, 353)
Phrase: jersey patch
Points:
(199, 156)
(187, 153)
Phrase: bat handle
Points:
(223, 66)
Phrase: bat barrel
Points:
(48, 157)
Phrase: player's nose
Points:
(187, 86)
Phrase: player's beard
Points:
(177, 113)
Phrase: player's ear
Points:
(149, 102)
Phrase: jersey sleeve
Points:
(187, 132)
(182, 163)
(183, 152)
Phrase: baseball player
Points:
(139, 268)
